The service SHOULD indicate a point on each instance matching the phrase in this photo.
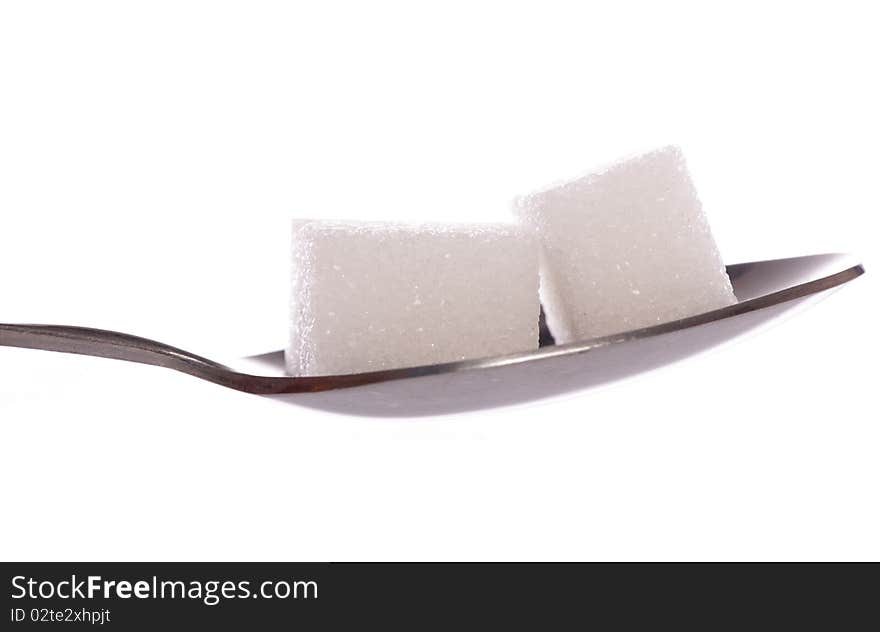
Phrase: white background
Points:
(152, 155)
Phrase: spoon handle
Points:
(118, 346)
(98, 342)
(112, 344)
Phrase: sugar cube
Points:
(625, 247)
(375, 296)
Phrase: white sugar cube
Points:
(625, 247)
(374, 296)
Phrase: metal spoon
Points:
(764, 288)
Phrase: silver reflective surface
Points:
(765, 289)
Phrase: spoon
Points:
(764, 289)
